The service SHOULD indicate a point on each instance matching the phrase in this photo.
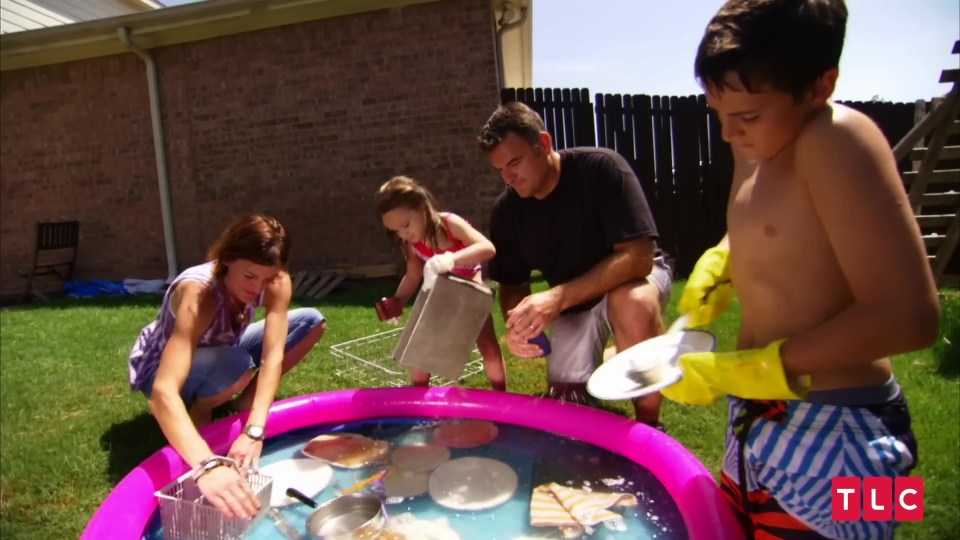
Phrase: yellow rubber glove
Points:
(750, 374)
(708, 292)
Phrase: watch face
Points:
(254, 432)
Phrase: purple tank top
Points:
(145, 356)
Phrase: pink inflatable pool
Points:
(127, 511)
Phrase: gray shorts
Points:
(578, 339)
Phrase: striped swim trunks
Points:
(781, 457)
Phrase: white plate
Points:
(611, 380)
(472, 483)
(307, 475)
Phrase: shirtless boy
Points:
(827, 260)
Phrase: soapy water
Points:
(537, 458)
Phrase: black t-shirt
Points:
(597, 203)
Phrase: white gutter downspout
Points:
(504, 26)
(159, 152)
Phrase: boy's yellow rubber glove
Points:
(749, 374)
(708, 292)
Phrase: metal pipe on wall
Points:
(160, 152)
(504, 25)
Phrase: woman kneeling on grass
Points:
(202, 350)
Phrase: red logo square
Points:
(908, 498)
(845, 498)
(878, 498)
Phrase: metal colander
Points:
(186, 515)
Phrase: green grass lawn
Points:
(71, 429)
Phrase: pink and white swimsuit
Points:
(425, 252)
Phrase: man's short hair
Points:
(786, 44)
(513, 117)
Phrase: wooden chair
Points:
(54, 255)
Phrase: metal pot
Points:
(358, 516)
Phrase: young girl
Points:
(435, 242)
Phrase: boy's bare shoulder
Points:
(838, 130)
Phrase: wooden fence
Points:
(674, 146)
(567, 113)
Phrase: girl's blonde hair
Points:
(405, 192)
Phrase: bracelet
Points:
(212, 463)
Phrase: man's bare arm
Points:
(629, 261)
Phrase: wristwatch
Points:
(254, 432)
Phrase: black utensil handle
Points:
(302, 497)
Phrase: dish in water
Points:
(307, 475)
(347, 450)
(472, 483)
(465, 433)
(420, 457)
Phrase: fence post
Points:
(919, 111)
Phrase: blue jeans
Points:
(215, 369)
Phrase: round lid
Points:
(420, 457)
(405, 483)
(472, 483)
(465, 433)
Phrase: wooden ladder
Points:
(934, 188)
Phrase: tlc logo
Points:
(882, 498)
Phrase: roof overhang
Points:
(170, 26)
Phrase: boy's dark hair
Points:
(513, 117)
(787, 44)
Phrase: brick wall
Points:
(303, 122)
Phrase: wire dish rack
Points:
(186, 515)
(367, 362)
